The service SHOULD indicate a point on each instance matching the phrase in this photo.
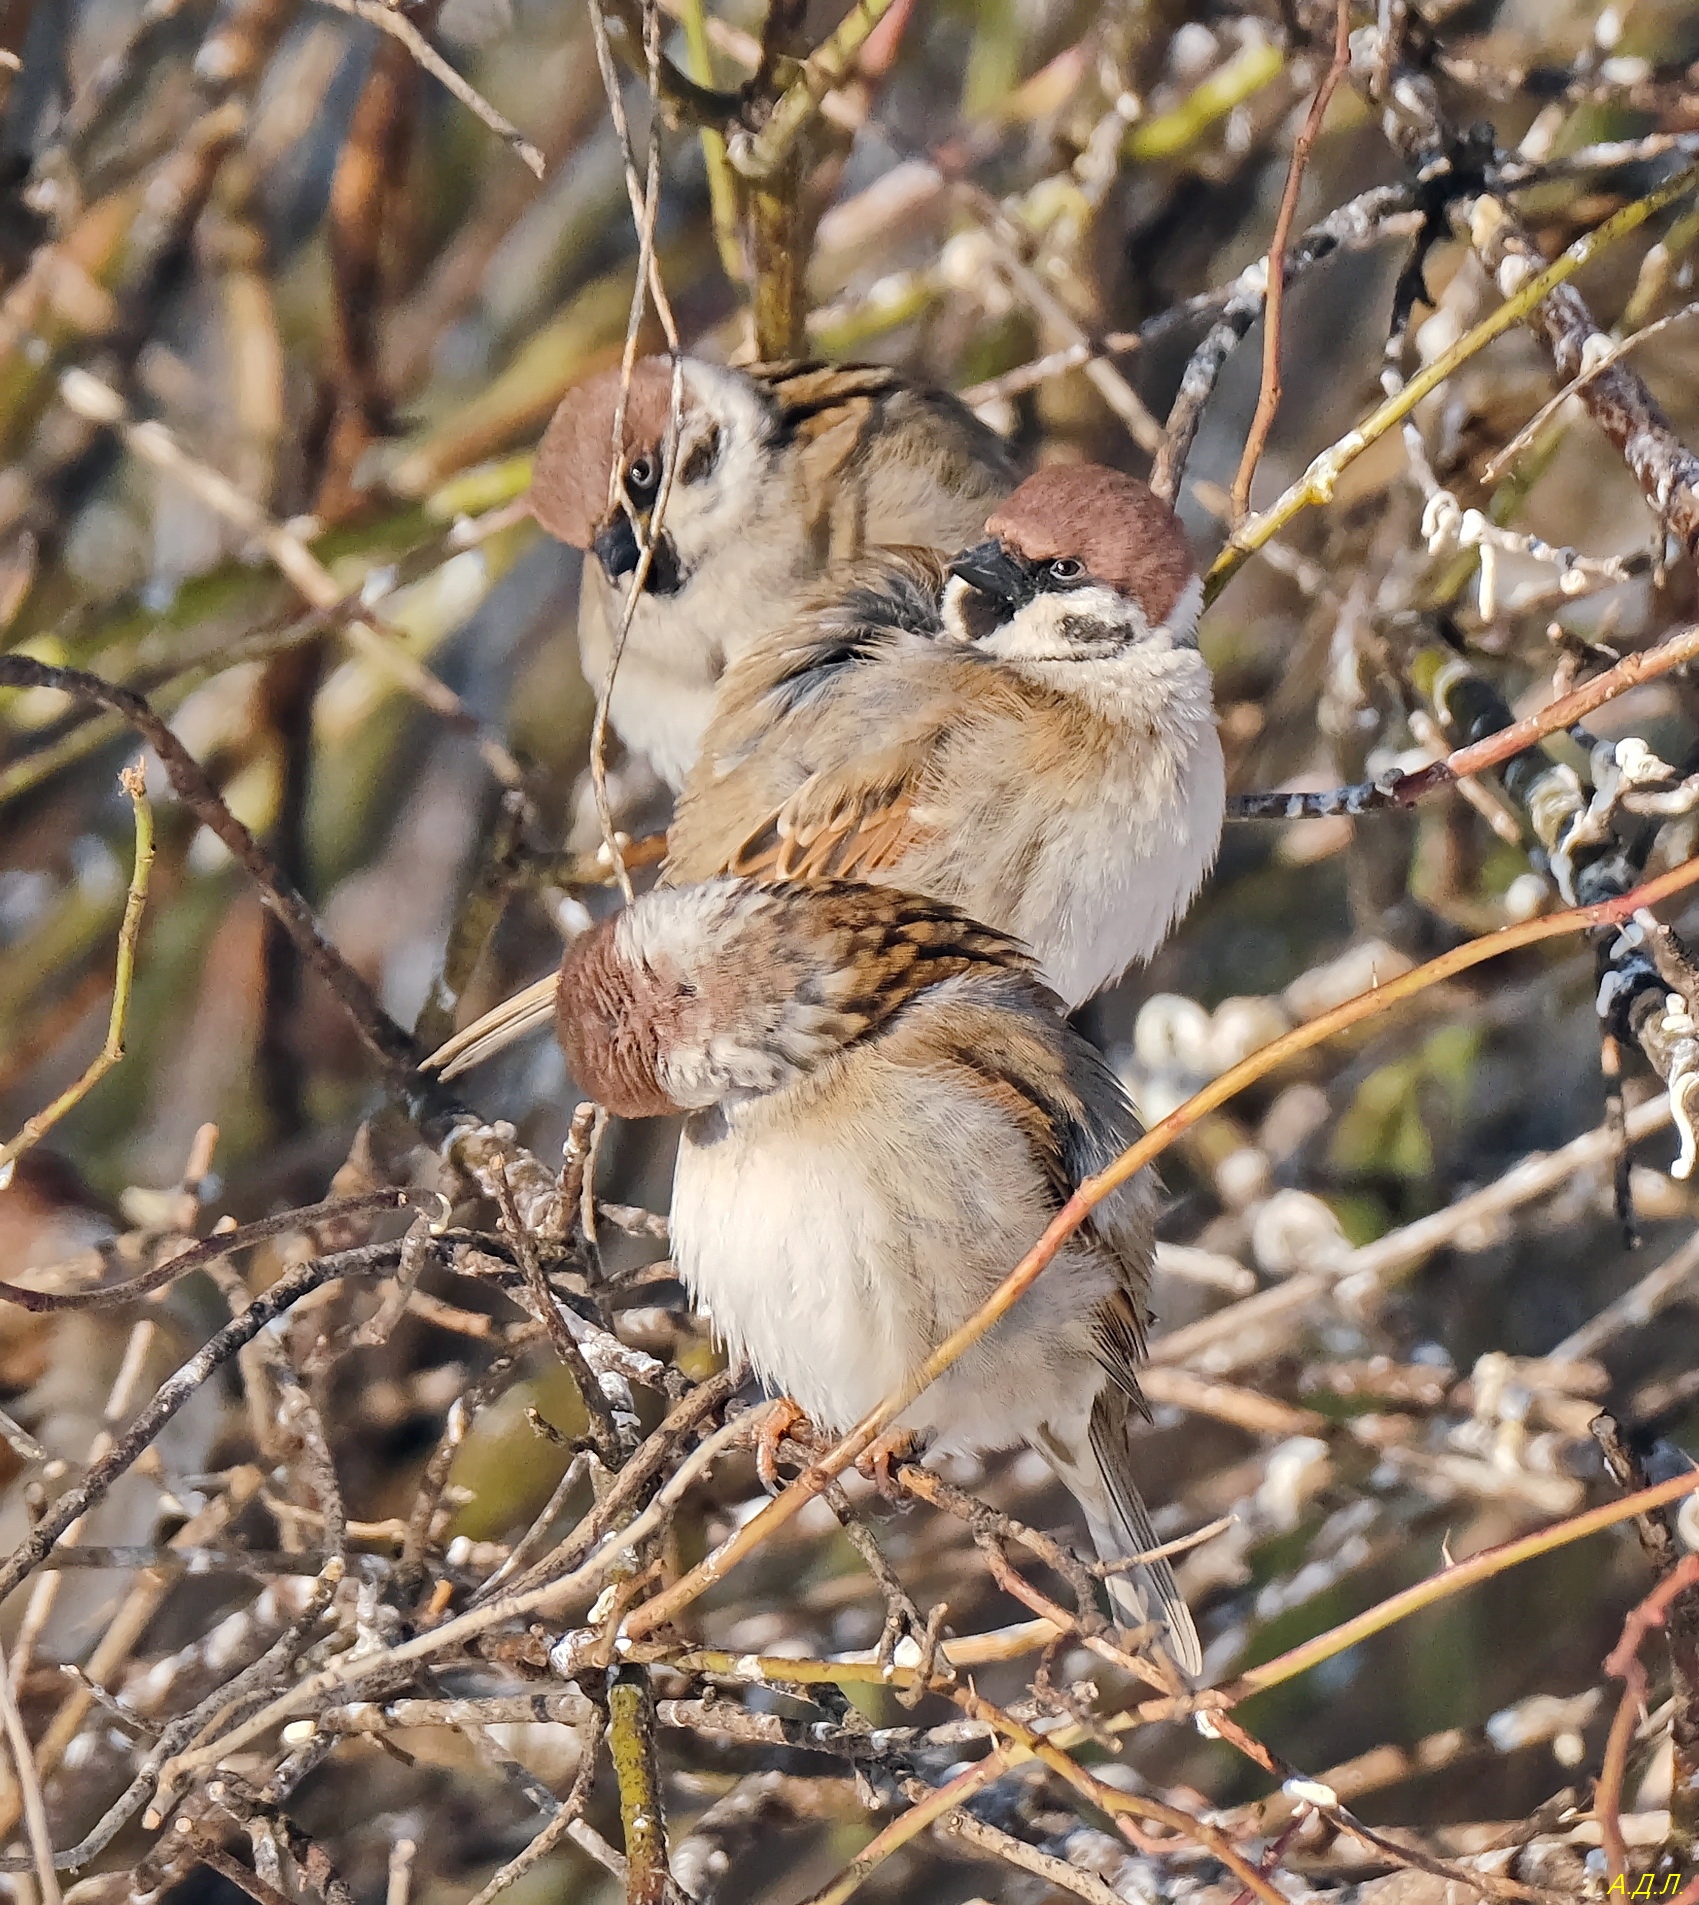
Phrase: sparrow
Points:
(1027, 732)
(780, 473)
(883, 1111)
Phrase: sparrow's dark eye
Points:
(643, 478)
(1064, 569)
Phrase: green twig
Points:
(779, 309)
(722, 186)
(134, 782)
(631, 1746)
(1169, 134)
(826, 68)
(1317, 483)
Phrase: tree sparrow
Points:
(885, 1110)
(1027, 733)
(781, 473)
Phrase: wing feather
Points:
(782, 790)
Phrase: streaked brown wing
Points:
(806, 391)
(849, 824)
(827, 411)
(822, 737)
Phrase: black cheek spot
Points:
(666, 577)
(1090, 637)
(704, 453)
(979, 614)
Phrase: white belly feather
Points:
(774, 1247)
(1131, 871)
(776, 1219)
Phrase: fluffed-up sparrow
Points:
(885, 1110)
(781, 473)
(1027, 732)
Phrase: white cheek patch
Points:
(700, 514)
(1040, 631)
(1183, 616)
(964, 612)
(695, 1076)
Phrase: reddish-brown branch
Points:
(715, 1566)
(1624, 1665)
(1268, 397)
(1404, 790)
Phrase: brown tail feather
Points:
(499, 1028)
(1120, 1527)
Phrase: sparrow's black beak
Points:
(617, 551)
(989, 568)
(616, 547)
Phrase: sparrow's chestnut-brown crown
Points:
(1080, 563)
(1117, 528)
(569, 487)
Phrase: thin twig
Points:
(198, 1256)
(561, 1826)
(584, 1579)
(1319, 481)
(722, 187)
(390, 19)
(216, 1859)
(827, 67)
(1597, 362)
(1048, 308)
(645, 200)
(715, 1566)
(175, 1391)
(1268, 397)
(134, 782)
(1452, 1580)
(1615, 396)
(152, 443)
(24, 1771)
(1012, 1751)
(1624, 1665)
(1374, 216)
(386, 1040)
(598, 1412)
(1404, 790)
(1057, 1873)
(1118, 1804)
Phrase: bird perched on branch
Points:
(885, 1111)
(777, 475)
(1027, 732)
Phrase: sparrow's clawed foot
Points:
(883, 1456)
(782, 1417)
